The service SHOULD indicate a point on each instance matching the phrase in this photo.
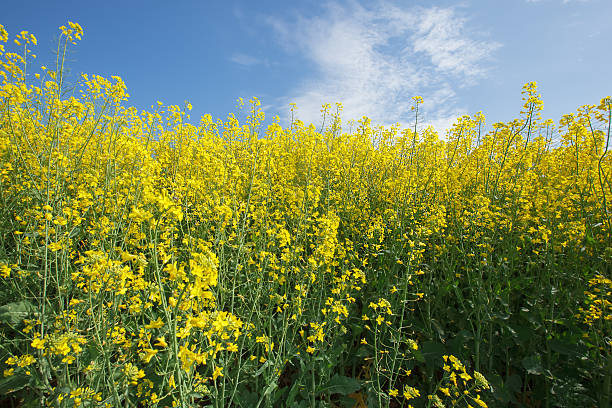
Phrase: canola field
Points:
(149, 262)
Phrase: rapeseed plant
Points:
(147, 261)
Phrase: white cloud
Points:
(375, 59)
(440, 35)
(246, 60)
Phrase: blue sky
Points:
(373, 56)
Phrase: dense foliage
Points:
(145, 261)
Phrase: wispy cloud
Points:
(441, 36)
(247, 60)
(375, 59)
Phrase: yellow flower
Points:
(132, 373)
(161, 342)
(148, 354)
(453, 378)
(481, 381)
(465, 376)
(217, 373)
(3, 34)
(38, 343)
(74, 302)
(155, 324)
(26, 360)
(5, 270)
(479, 401)
(410, 392)
(55, 246)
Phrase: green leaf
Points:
(271, 387)
(340, 384)
(500, 392)
(438, 328)
(293, 392)
(459, 343)
(14, 313)
(262, 368)
(246, 398)
(568, 349)
(514, 383)
(345, 401)
(11, 384)
(533, 365)
(433, 352)
(418, 355)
